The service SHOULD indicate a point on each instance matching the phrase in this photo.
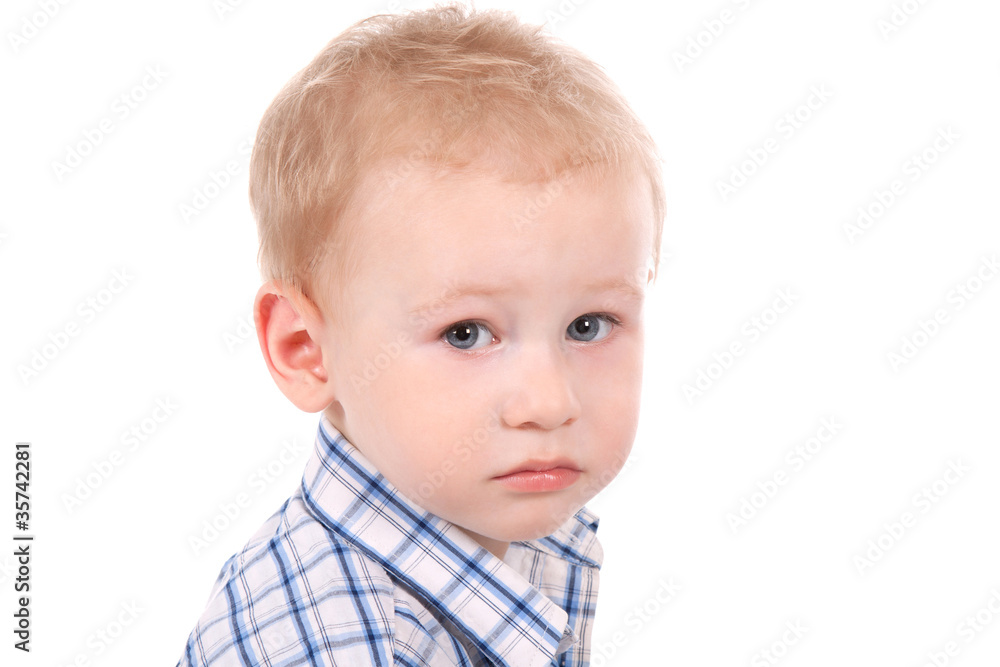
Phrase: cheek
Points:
(612, 382)
(612, 401)
(417, 405)
(431, 388)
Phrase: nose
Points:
(542, 395)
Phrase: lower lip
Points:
(531, 481)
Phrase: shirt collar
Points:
(498, 610)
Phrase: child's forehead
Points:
(414, 179)
(396, 194)
(484, 202)
(463, 226)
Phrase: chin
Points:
(521, 532)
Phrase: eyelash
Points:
(606, 317)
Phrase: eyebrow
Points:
(624, 287)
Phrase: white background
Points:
(855, 297)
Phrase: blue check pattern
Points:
(350, 572)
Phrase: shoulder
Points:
(300, 594)
(296, 594)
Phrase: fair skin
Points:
(447, 390)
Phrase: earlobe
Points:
(288, 325)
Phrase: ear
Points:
(288, 328)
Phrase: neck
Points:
(495, 547)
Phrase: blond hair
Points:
(448, 87)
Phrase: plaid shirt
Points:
(349, 572)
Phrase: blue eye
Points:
(591, 327)
(465, 335)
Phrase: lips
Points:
(540, 476)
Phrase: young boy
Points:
(458, 219)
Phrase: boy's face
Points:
(494, 328)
